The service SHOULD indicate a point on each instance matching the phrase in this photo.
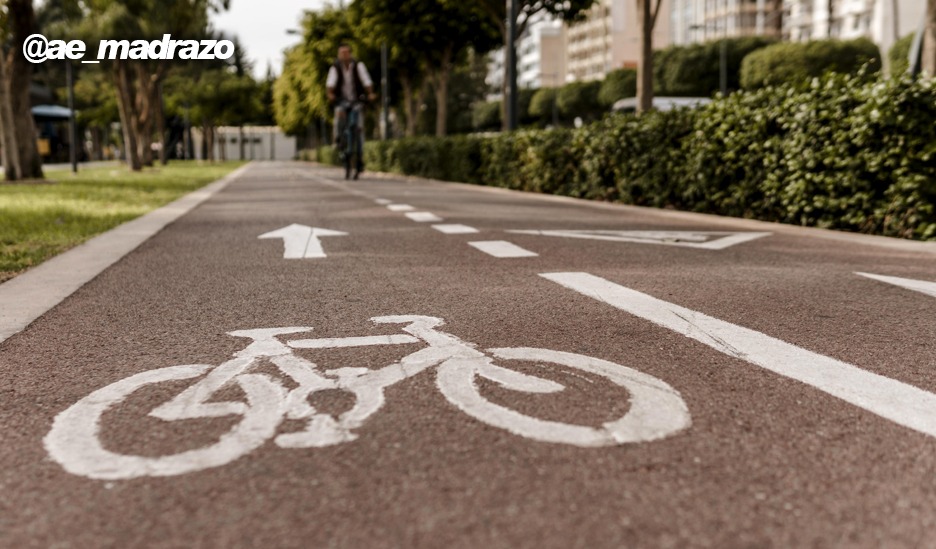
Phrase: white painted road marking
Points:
(928, 288)
(400, 208)
(706, 240)
(901, 403)
(502, 249)
(656, 410)
(424, 217)
(383, 201)
(455, 229)
(301, 241)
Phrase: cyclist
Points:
(348, 81)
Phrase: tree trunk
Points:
(125, 107)
(10, 158)
(22, 21)
(441, 80)
(240, 140)
(645, 60)
(145, 91)
(97, 149)
(929, 40)
(161, 126)
(409, 105)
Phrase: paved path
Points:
(456, 366)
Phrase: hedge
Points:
(797, 62)
(695, 70)
(839, 153)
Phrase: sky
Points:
(261, 26)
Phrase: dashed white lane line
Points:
(502, 249)
(891, 399)
(455, 229)
(424, 217)
(400, 208)
(928, 288)
(383, 201)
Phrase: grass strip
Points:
(40, 219)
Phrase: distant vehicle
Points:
(661, 103)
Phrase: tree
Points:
(647, 12)
(18, 135)
(428, 38)
(138, 83)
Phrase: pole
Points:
(384, 93)
(72, 137)
(511, 65)
(723, 66)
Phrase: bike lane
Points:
(766, 461)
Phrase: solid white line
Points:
(33, 293)
(502, 249)
(424, 217)
(400, 208)
(928, 288)
(455, 229)
(901, 403)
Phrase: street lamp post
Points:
(511, 65)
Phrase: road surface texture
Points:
(541, 372)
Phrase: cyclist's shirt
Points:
(346, 79)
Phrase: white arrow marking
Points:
(301, 241)
(706, 240)
(899, 402)
(928, 288)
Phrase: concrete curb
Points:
(30, 295)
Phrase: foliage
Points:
(839, 153)
(796, 63)
(899, 55)
(618, 84)
(695, 70)
(541, 104)
(579, 99)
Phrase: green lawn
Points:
(41, 219)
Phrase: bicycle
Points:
(656, 409)
(350, 146)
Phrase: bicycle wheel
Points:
(656, 409)
(74, 439)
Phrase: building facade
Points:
(696, 21)
(609, 39)
(541, 58)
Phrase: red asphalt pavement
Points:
(622, 381)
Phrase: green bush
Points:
(541, 105)
(899, 55)
(486, 116)
(618, 84)
(796, 62)
(839, 153)
(579, 99)
(695, 70)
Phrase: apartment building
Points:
(701, 20)
(541, 58)
(883, 21)
(610, 39)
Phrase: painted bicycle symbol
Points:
(656, 409)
